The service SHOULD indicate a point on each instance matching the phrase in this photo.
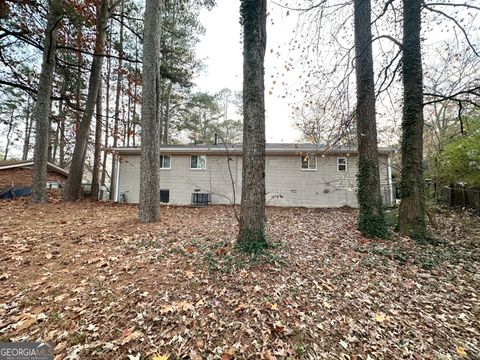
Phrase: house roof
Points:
(12, 164)
(270, 149)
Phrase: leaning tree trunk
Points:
(371, 221)
(42, 106)
(149, 208)
(95, 191)
(252, 235)
(411, 217)
(73, 188)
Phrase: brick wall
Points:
(19, 177)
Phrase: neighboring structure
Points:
(14, 174)
(87, 172)
(296, 175)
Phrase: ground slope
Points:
(99, 285)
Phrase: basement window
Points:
(342, 164)
(198, 162)
(309, 161)
(165, 162)
(164, 196)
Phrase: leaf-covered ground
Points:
(99, 285)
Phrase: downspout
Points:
(389, 179)
(117, 178)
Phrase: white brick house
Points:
(296, 174)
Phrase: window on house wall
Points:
(164, 196)
(198, 162)
(165, 162)
(309, 162)
(342, 164)
(53, 185)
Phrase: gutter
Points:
(238, 151)
(117, 179)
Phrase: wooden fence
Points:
(461, 197)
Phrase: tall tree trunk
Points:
(56, 141)
(149, 209)
(60, 131)
(28, 130)
(371, 221)
(166, 117)
(61, 126)
(98, 149)
(51, 138)
(129, 103)
(73, 188)
(61, 151)
(252, 235)
(135, 95)
(107, 112)
(78, 88)
(117, 102)
(411, 216)
(9, 134)
(42, 106)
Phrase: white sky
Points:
(221, 50)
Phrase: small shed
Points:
(16, 173)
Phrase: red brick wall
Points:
(19, 177)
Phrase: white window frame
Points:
(308, 162)
(161, 164)
(52, 185)
(338, 164)
(197, 168)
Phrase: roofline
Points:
(58, 168)
(238, 151)
(28, 163)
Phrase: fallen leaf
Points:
(380, 317)
(28, 321)
(132, 357)
(160, 357)
(461, 351)
(126, 339)
(241, 307)
(185, 306)
(167, 309)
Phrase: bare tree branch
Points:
(462, 29)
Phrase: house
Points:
(16, 173)
(296, 175)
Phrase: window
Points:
(342, 164)
(198, 162)
(309, 162)
(53, 185)
(164, 162)
(164, 196)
